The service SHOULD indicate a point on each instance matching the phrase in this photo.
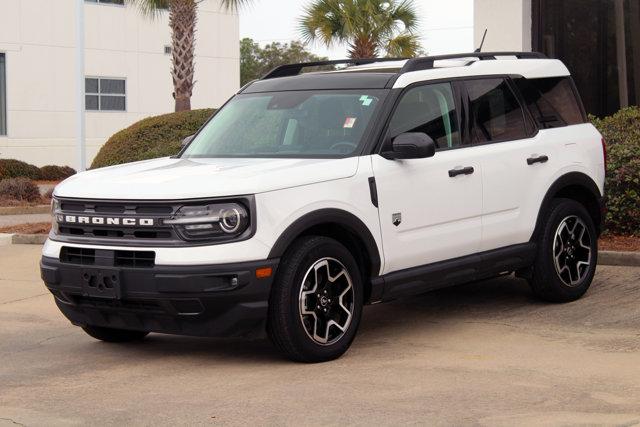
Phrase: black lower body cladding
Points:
(205, 300)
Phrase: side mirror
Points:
(411, 145)
(186, 141)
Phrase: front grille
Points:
(137, 305)
(134, 259)
(107, 258)
(80, 256)
(158, 234)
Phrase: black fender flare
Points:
(569, 179)
(337, 217)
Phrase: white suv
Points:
(310, 195)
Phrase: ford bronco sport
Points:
(309, 195)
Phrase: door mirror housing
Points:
(411, 145)
(186, 141)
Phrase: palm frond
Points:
(235, 5)
(150, 8)
(403, 46)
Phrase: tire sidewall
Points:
(325, 248)
(560, 210)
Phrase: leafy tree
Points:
(256, 61)
(368, 27)
(183, 17)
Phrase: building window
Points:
(3, 95)
(102, 94)
(119, 2)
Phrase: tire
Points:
(301, 312)
(559, 273)
(114, 335)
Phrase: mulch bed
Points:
(620, 243)
(35, 228)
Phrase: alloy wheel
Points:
(572, 250)
(326, 301)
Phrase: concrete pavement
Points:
(481, 354)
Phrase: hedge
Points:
(622, 135)
(11, 168)
(56, 173)
(153, 137)
(20, 189)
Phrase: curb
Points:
(627, 259)
(25, 210)
(22, 239)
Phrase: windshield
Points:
(321, 124)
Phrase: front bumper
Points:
(204, 300)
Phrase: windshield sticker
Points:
(349, 122)
(366, 101)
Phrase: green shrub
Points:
(622, 134)
(21, 189)
(11, 168)
(56, 173)
(153, 137)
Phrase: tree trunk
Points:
(182, 20)
(363, 47)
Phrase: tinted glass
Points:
(288, 124)
(552, 101)
(91, 102)
(428, 109)
(112, 103)
(91, 85)
(495, 111)
(112, 86)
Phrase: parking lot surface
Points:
(481, 354)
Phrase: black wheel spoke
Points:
(572, 250)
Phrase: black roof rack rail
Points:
(295, 69)
(427, 63)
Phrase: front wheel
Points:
(567, 253)
(316, 301)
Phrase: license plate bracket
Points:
(101, 283)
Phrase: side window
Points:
(552, 101)
(429, 109)
(495, 111)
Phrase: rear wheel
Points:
(114, 335)
(567, 253)
(316, 301)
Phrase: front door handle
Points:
(539, 159)
(461, 171)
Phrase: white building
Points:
(127, 59)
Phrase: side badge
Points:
(396, 218)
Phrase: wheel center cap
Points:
(324, 301)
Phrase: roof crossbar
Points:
(295, 69)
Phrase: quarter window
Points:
(552, 101)
(3, 96)
(105, 94)
(428, 109)
(496, 113)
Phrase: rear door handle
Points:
(461, 171)
(539, 159)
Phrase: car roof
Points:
(383, 73)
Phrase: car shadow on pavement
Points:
(495, 298)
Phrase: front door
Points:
(430, 209)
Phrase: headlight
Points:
(215, 221)
(55, 208)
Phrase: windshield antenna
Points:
(478, 50)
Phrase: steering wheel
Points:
(348, 146)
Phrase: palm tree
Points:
(183, 17)
(367, 26)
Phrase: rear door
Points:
(517, 161)
(429, 210)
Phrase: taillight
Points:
(604, 154)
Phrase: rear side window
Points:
(552, 101)
(429, 109)
(495, 111)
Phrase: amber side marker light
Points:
(264, 272)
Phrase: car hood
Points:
(170, 178)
